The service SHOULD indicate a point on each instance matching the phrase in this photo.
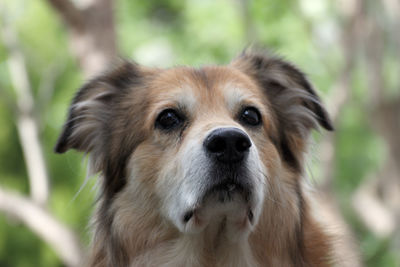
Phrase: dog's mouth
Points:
(225, 192)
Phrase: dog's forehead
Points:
(208, 88)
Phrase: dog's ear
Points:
(91, 108)
(296, 106)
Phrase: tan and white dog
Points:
(201, 166)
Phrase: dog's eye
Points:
(250, 116)
(168, 119)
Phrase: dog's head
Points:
(200, 143)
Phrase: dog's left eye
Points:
(168, 119)
(250, 116)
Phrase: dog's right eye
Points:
(168, 120)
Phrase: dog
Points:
(201, 166)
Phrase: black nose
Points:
(228, 145)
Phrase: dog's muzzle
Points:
(227, 149)
(222, 178)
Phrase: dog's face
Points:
(207, 129)
(202, 144)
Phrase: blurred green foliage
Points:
(179, 32)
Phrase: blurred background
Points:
(349, 48)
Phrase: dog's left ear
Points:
(287, 89)
(296, 106)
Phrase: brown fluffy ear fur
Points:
(95, 114)
(90, 109)
(297, 108)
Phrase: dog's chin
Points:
(227, 201)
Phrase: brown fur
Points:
(112, 119)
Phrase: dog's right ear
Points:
(91, 109)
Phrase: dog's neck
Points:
(211, 247)
(147, 239)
